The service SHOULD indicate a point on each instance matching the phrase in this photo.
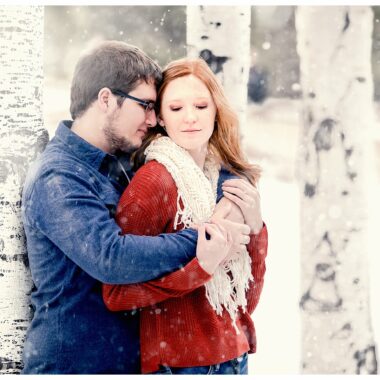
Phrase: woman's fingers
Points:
(243, 185)
(237, 200)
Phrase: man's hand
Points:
(247, 197)
(212, 252)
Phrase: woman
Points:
(196, 320)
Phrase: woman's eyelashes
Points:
(197, 106)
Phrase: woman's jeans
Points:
(237, 366)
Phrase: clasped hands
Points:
(236, 216)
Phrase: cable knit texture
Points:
(178, 326)
(197, 193)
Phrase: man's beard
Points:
(117, 143)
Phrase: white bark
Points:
(221, 35)
(21, 138)
(334, 45)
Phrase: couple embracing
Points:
(144, 232)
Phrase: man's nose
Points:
(151, 119)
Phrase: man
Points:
(73, 242)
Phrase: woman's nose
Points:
(190, 115)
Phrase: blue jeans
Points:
(237, 366)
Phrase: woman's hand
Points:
(247, 197)
(226, 209)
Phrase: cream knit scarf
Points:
(197, 190)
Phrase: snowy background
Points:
(271, 139)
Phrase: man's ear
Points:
(104, 98)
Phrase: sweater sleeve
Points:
(148, 207)
(257, 249)
(176, 284)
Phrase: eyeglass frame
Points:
(149, 106)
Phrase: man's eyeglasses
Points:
(148, 106)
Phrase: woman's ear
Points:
(160, 121)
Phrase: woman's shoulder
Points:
(151, 184)
(155, 172)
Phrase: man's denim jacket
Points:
(73, 245)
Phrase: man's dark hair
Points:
(112, 64)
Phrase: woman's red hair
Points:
(225, 140)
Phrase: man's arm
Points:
(135, 216)
(76, 220)
(149, 206)
(177, 284)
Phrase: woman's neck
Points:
(199, 156)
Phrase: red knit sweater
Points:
(178, 327)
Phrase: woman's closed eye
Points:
(197, 106)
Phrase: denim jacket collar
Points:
(80, 147)
(116, 167)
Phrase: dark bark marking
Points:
(215, 63)
(323, 136)
(346, 22)
(323, 282)
(21, 328)
(324, 277)
(6, 363)
(348, 152)
(309, 190)
(21, 320)
(344, 332)
(204, 37)
(360, 79)
(352, 175)
(310, 117)
(366, 362)
(15, 257)
(326, 239)
(217, 24)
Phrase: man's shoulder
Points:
(52, 163)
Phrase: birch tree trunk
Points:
(21, 138)
(334, 45)
(221, 35)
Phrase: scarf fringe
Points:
(197, 191)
